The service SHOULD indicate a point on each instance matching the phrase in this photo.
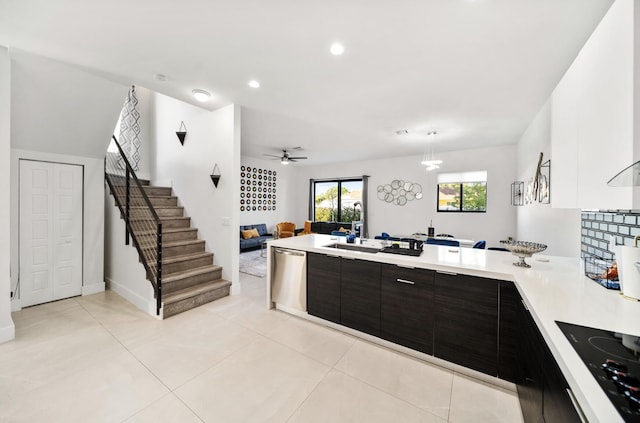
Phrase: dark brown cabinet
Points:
(466, 321)
(508, 331)
(360, 295)
(323, 286)
(542, 389)
(407, 307)
(529, 377)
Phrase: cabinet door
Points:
(466, 321)
(557, 405)
(508, 331)
(360, 295)
(407, 307)
(323, 286)
(530, 378)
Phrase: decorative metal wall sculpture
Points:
(399, 192)
(538, 188)
(257, 189)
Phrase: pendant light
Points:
(429, 161)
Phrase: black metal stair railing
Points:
(142, 223)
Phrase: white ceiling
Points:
(476, 71)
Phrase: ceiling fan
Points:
(286, 157)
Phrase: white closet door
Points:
(50, 231)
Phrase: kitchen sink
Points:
(354, 247)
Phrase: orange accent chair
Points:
(307, 229)
(285, 230)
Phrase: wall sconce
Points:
(181, 132)
(517, 193)
(215, 175)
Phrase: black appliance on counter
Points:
(614, 360)
(402, 251)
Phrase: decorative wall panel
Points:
(257, 189)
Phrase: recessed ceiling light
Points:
(160, 77)
(336, 49)
(254, 84)
(201, 95)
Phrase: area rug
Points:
(252, 264)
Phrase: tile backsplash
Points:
(597, 227)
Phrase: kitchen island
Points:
(553, 289)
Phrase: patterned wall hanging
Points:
(130, 129)
(257, 189)
(398, 192)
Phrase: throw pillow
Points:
(251, 233)
(342, 229)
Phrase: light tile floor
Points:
(98, 358)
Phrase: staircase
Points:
(189, 277)
(181, 272)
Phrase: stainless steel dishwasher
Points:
(289, 286)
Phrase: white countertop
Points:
(553, 290)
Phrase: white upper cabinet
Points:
(592, 120)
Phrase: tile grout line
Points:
(389, 393)
(125, 347)
(170, 391)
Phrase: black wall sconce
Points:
(181, 132)
(215, 175)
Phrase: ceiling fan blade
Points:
(272, 155)
(298, 158)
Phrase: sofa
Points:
(253, 243)
(328, 227)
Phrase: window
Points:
(462, 192)
(337, 200)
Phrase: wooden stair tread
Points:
(190, 273)
(166, 230)
(182, 243)
(195, 290)
(184, 257)
(161, 218)
(155, 207)
(152, 196)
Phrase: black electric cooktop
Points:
(614, 360)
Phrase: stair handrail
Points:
(130, 174)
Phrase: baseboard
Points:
(145, 304)
(16, 305)
(235, 289)
(93, 288)
(7, 333)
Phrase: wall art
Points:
(398, 192)
(257, 189)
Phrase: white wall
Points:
(558, 228)
(61, 109)
(285, 200)
(499, 222)
(7, 329)
(212, 137)
(93, 212)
